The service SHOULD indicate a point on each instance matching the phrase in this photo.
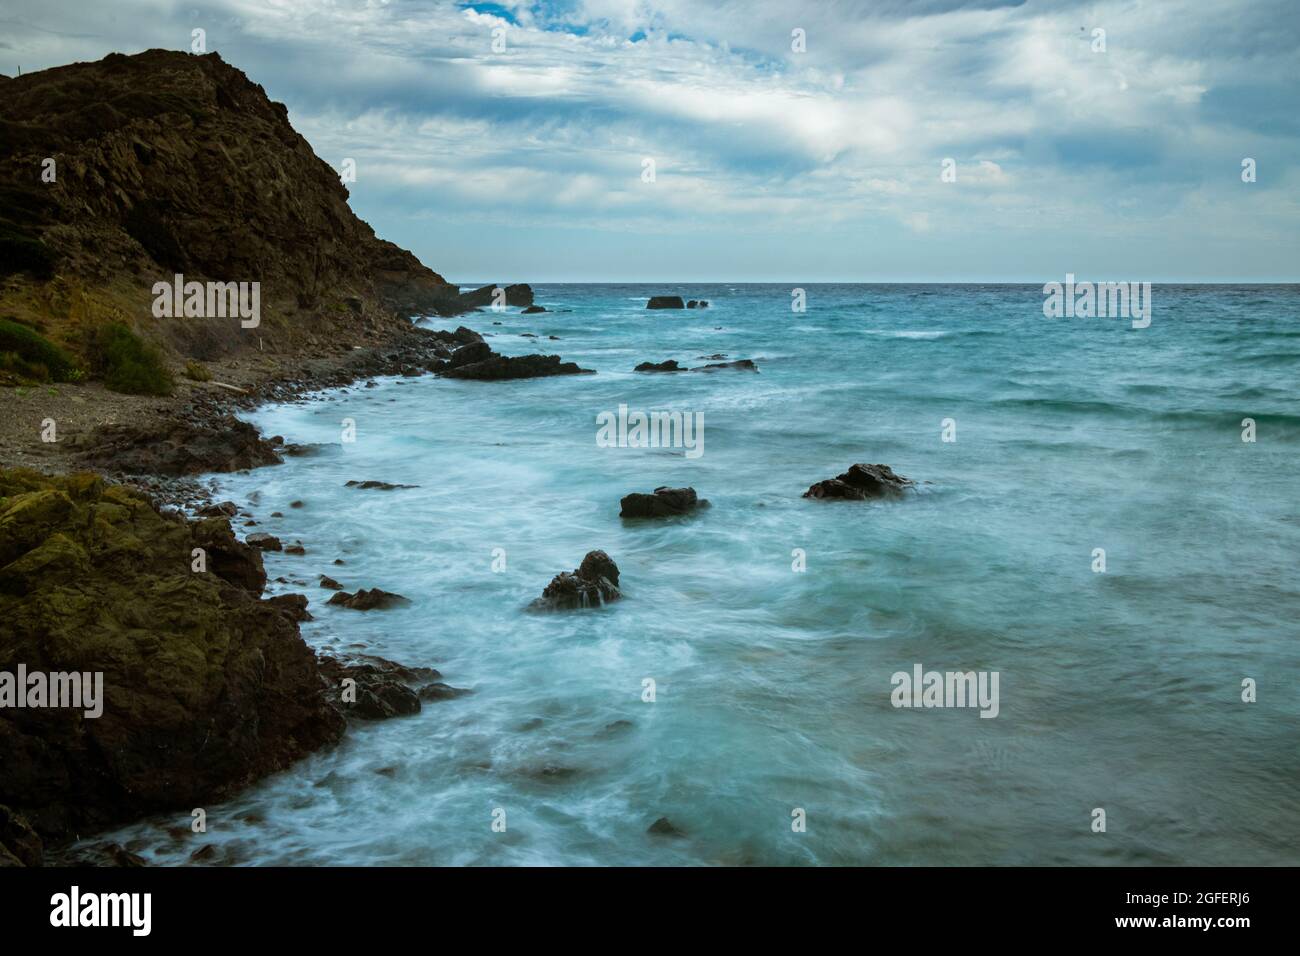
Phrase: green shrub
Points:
(26, 351)
(128, 363)
(197, 371)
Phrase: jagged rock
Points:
(668, 366)
(226, 509)
(229, 558)
(469, 354)
(264, 541)
(665, 502)
(181, 447)
(329, 583)
(594, 583)
(206, 688)
(369, 600)
(294, 605)
(383, 689)
(520, 294)
(665, 302)
(498, 368)
(861, 482)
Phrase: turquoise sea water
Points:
(1118, 690)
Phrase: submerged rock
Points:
(594, 583)
(664, 503)
(377, 485)
(533, 310)
(740, 365)
(668, 366)
(664, 827)
(861, 482)
(665, 302)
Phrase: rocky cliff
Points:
(121, 173)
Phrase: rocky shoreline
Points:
(212, 685)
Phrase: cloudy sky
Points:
(525, 161)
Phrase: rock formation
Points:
(861, 482)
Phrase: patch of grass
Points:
(28, 353)
(128, 363)
(197, 371)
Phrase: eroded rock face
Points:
(175, 163)
(206, 687)
(595, 582)
(182, 447)
(664, 503)
(861, 482)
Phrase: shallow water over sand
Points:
(1118, 690)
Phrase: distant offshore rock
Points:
(665, 302)
(478, 361)
(664, 503)
(861, 482)
(594, 583)
(671, 365)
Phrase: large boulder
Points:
(595, 582)
(369, 600)
(205, 688)
(664, 503)
(469, 354)
(500, 368)
(665, 302)
(180, 447)
(861, 482)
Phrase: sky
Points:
(790, 142)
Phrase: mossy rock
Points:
(206, 687)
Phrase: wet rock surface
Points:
(861, 482)
(594, 583)
(663, 503)
(369, 600)
(665, 302)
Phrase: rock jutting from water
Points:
(594, 583)
(665, 302)
(861, 482)
(664, 503)
(369, 600)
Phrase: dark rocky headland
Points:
(166, 163)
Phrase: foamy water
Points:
(1118, 690)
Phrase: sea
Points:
(1105, 517)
